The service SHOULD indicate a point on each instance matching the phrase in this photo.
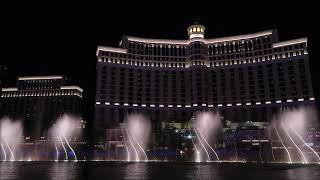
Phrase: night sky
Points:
(62, 39)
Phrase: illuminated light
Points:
(143, 105)
(135, 105)
(9, 89)
(208, 41)
(178, 105)
(107, 103)
(188, 106)
(301, 99)
(99, 60)
(248, 104)
(195, 105)
(161, 105)
(238, 104)
(126, 104)
(72, 87)
(312, 99)
(196, 36)
(116, 104)
(289, 100)
(210, 105)
(39, 78)
(110, 49)
(170, 105)
(278, 101)
(258, 103)
(268, 102)
(204, 104)
(98, 103)
(152, 105)
(229, 104)
(219, 105)
(290, 42)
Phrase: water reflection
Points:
(302, 173)
(136, 171)
(8, 170)
(64, 171)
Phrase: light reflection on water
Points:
(121, 170)
(64, 171)
(9, 170)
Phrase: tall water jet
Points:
(207, 124)
(11, 135)
(124, 140)
(298, 120)
(139, 129)
(281, 141)
(64, 128)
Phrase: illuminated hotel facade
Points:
(245, 77)
(38, 101)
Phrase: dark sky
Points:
(45, 39)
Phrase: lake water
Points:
(162, 170)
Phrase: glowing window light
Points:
(210, 105)
(98, 102)
(107, 103)
(219, 105)
(258, 103)
(301, 99)
(178, 105)
(238, 104)
(278, 101)
(289, 100)
(188, 106)
(312, 99)
(126, 104)
(143, 105)
(170, 105)
(195, 105)
(229, 105)
(268, 102)
(204, 104)
(161, 105)
(116, 104)
(152, 105)
(248, 104)
(135, 105)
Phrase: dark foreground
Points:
(160, 170)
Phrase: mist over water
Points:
(139, 131)
(11, 135)
(206, 125)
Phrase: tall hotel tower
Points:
(245, 77)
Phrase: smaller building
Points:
(38, 101)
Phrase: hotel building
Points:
(38, 101)
(245, 77)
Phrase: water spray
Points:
(135, 150)
(124, 140)
(57, 152)
(304, 158)
(288, 153)
(195, 130)
(209, 146)
(64, 148)
(4, 152)
(12, 155)
(297, 134)
(75, 156)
